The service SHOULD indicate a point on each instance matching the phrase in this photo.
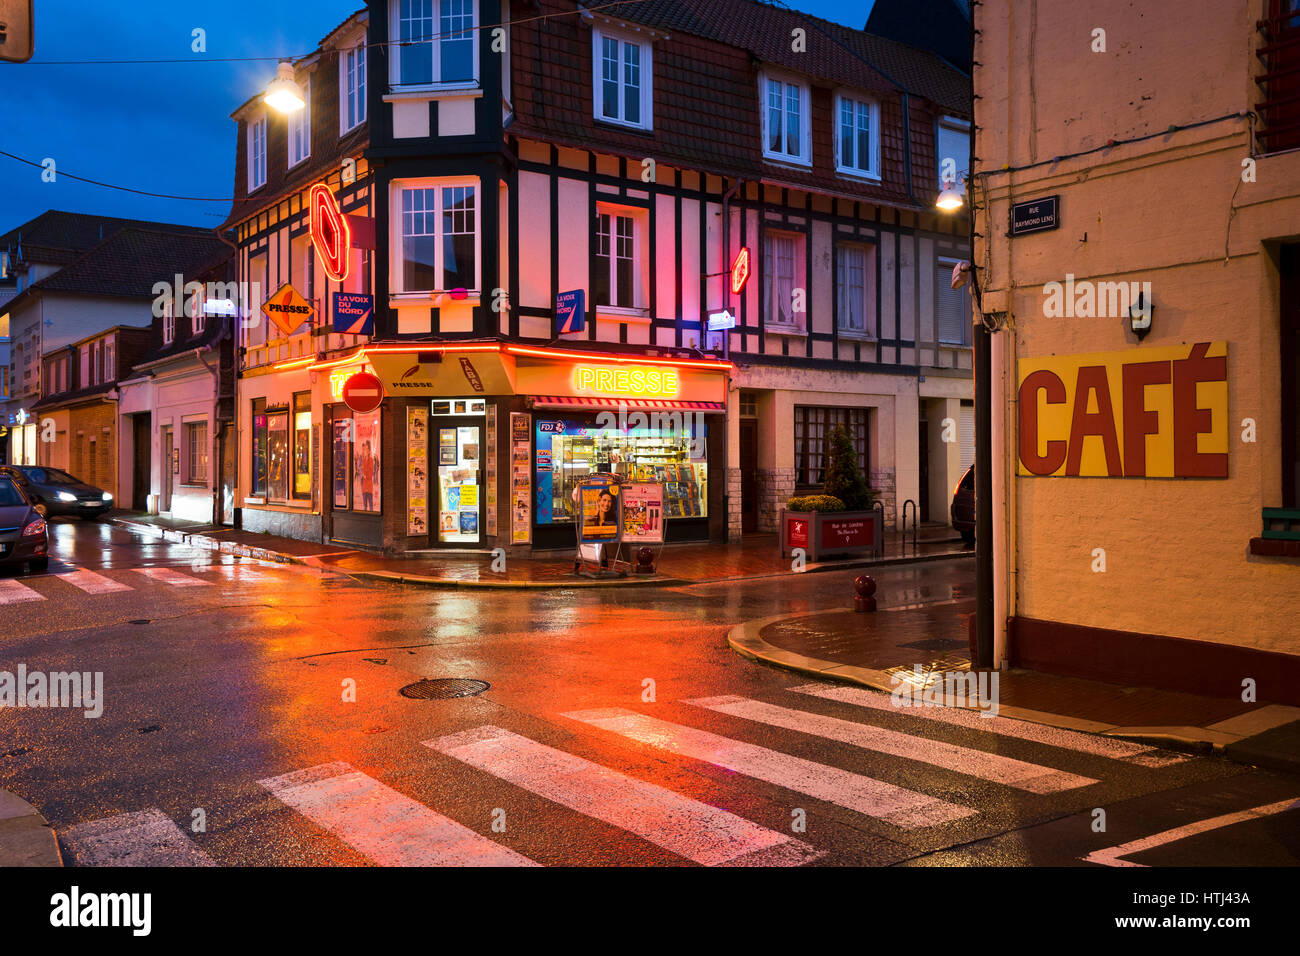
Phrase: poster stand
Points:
(642, 523)
(593, 548)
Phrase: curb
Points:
(747, 641)
(26, 837)
(208, 543)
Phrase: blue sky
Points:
(164, 128)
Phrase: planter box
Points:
(822, 533)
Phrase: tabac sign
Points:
(1149, 413)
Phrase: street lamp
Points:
(284, 94)
(950, 198)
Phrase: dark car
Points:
(963, 506)
(59, 492)
(24, 538)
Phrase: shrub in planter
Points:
(844, 478)
(814, 503)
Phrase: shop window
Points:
(302, 445)
(438, 247)
(853, 267)
(857, 140)
(622, 79)
(951, 306)
(782, 266)
(786, 130)
(270, 450)
(341, 459)
(670, 448)
(260, 448)
(618, 259)
(437, 42)
(196, 452)
(366, 471)
(812, 427)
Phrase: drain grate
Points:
(444, 688)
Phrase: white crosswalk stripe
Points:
(691, 829)
(147, 838)
(173, 577)
(874, 798)
(92, 583)
(975, 763)
(15, 592)
(1002, 726)
(384, 825)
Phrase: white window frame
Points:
(256, 158)
(957, 125)
(868, 312)
(169, 322)
(598, 35)
(798, 320)
(395, 258)
(395, 58)
(805, 117)
(639, 252)
(872, 170)
(188, 431)
(350, 58)
(299, 129)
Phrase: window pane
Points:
(792, 139)
(846, 133)
(260, 470)
(419, 240)
(416, 57)
(774, 124)
(365, 463)
(459, 246)
(457, 40)
(631, 83)
(624, 261)
(278, 454)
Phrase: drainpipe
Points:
(726, 340)
(214, 463)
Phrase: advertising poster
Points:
(417, 478)
(342, 445)
(447, 446)
(521, 480)
(599, 501)
(643, 510)
(490, 473)
(365, 463)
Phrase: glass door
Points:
(459, 450)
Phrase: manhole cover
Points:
(444, 688)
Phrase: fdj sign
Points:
(1114, 415)
(553, 428)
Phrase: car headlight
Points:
(66, 496)
(107, 496)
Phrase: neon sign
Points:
(740, 270)
(330, 233)
(638, 381)
(337, 379)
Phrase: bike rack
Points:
(915, 521)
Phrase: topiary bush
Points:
(814, 503)
(844, 478)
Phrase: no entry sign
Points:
(363, 392)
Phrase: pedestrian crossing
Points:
(942, 790)
(68, 581)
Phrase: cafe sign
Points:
(1148, 413)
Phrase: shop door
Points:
(748, 475)
(142, 435)
(923, 448)
(168, 471)
(456, 457)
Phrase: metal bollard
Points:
(645, 561)
(864, 589)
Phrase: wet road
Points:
(252, 715)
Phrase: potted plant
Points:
(839, 521)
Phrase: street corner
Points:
(26, 837)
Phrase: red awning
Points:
(613, 404)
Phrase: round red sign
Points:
(363, 392)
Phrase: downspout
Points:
(907, 145)
(726, 339)
(214, 459)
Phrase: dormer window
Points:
(622, 79)
(352, 87)
(857, 136)
(256, 153)
(786, 127)
(300, 129)
(437, 43)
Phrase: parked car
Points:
(24, 537)
(963, 506)
(59, 492)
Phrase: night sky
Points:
(163, 128)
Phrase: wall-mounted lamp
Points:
(951, 198)
(1139, 316)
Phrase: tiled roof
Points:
(130, 261)
(57, 236)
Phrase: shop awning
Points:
(613, 404)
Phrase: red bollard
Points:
(864, 589)
(645, 561)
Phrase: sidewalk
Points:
(871, 648)
(679, 564)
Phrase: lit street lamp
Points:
(284, 94)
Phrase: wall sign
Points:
(570, 311)
(354, 314)
(363, 392)
(632, 381)
(471, 375)
(1139, 413)
(287, 309)
(1035, 215)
